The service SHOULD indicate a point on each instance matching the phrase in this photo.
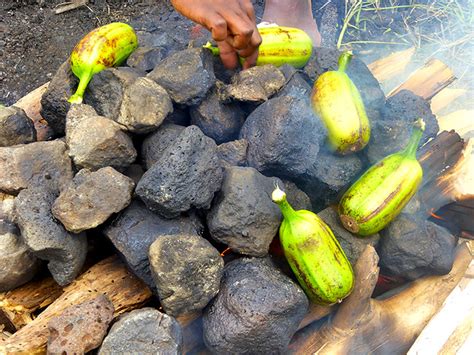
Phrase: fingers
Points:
(228, 55)
(218, 27)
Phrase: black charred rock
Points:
(146, 58)
(297, 198)
(156, 143)
(233, 153)
(296, 85)
(15, 127)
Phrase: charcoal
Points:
(393, 132)
(95, 141)
(146, 58)
(233, 153)
(145, 105)
(221, 122)
(297, 198)
(186, 75)
(411, 247)
(325, 59)
(144, 331)
(17, 264)
(187, 271)
(80, 328)
(296, 85)
(187, 175)
(284, 138)
(15, 127)
(92, 198)
(352, 245)
(34, 164)
(156, 143)
(46, 238)
(256, 84)
(54, 104)
(257, 310)
(243, 216)
(136, 228)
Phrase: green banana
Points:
(379, 195)
(104, 47)
(314, 254)
(336, 100)
(280, 45)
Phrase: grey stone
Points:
(233, 153)
(106, 89)
(393, 132)
(136, 228)
(156, 143)
(186, 175)
(256, 84)
(295, 85)
(257, 310)
(352, 245)
(284, 138)
(17, 264)
(92, 198)
(297, 198)
(80, 328)
(7, 207)
(15, 127)
(146, 58)
(220, 121)
(412, 247)
(145, 105)
(95, 141)
(46, 238)
(186, 281)
(54, 104)
(33, 164)
(144, 331)
(324, 59)
(156, 39)
(186, 75)
(243, 215)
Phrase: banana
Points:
(104, 47)
(383, 190)
(336, 100)
(314, 254)
(280, 45)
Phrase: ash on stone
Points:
(144, 331)
(92, 198)
(187, 175)
(233, 153)
(156, 143)
(257, 310)
(186, 281)
(243, 215)
(15, 127)
(46, 238)
(136, 228)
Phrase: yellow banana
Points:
(104, 47)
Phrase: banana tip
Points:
(349, 223)
(420, 123)
(278, 195)
(75, 99)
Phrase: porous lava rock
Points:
(146, 58)
(156, 143)
(296, 84)
(15, 127)
(233, 153)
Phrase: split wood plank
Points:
(389, 67)
(446, 96)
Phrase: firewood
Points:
(427, 81)
(446, 96)
(460, 121)
(389, 67)
(386, 325)
(109, 277)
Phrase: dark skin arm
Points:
(231, 23)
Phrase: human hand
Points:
(232, 25)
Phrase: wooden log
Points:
(445, 97)
(427, 81)
(387, 325)
(460, 121)
(389, 67)
(109, 277)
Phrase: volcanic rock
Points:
(297, 198)
(156, 143)
(296, 85)
(80, 328)
(257, 310)
(187, 271)
(144, 331)
(179, 116)
(45, 237)
(7, 207)
(233, 153)
(136, 228)
(146, 58)
(34, 164)
(15, 127)
(221, 122)
(411, 247)
(92, 198)
(186, 175)
(186, 75)
(155, 38)
(17, 264)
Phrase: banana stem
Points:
(279, 197)
(344, 61)
(81, 88)
(214, 50)
(412, 147)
